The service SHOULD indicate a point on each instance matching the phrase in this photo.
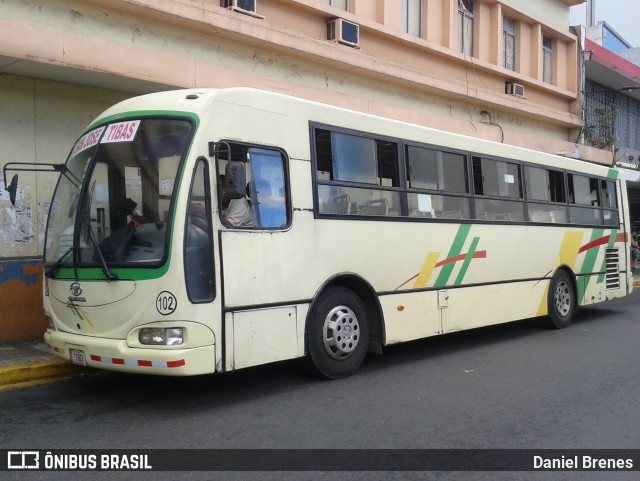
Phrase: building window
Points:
(339, 4)
(547, 57)
(411, 16)
(509, 43)
(465, 11)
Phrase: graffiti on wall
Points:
(17, 222)
(16, 225)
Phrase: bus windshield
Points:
(115, 194)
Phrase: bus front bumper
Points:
(116, 355)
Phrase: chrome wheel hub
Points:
(562, 298)
(340, 332)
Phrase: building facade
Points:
(505, 70)
(611, 100)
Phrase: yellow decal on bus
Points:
(567, 256)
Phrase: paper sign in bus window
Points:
(424, 203)
(121, 132)
(166, 186)
(87, 140)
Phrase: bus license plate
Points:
(78, 357)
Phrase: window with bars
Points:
(509, 43)
(547, 59)
(465, 13)
(411, 14)
(339, 4)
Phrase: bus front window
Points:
(128, 175)
(64, 205)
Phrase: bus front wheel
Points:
(337, 334)
(561, 300)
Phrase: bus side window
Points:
(268, 189)
(546, 195)
(198, 246)
(498, 189)
(584, 200)
(369, 164)
(439, 172)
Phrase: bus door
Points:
(255, 215)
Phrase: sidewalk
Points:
(30, 362)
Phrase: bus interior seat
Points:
(375, 207)
(421, 213)
(338, 204)
(541, 216)
(456, 214)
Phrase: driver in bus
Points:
(235, 212)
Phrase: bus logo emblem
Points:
(76, 289)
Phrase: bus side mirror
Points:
(235, 179)
(13, 189)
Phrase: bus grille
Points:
(612, 268)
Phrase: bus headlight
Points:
(157, 336)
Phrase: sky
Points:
(622, 15)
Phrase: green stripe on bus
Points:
(467, 261)
(144, 114)
(456, 249)
(90, 274)
(613, 174)
(589, 261)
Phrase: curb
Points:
(37, 371)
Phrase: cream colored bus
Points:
(207, 230)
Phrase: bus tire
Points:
(561, 300)
(337, 334)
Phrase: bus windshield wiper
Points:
(86, 217)
(53, 269)
(103, 263)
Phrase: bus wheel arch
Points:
(562, 298)
(349, 302)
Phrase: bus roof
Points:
(204, 103)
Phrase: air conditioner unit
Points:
(344, 32)
(514, 89)
(241, 6)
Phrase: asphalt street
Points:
(517, 385)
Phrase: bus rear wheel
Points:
(561, 300)
(337, 334)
